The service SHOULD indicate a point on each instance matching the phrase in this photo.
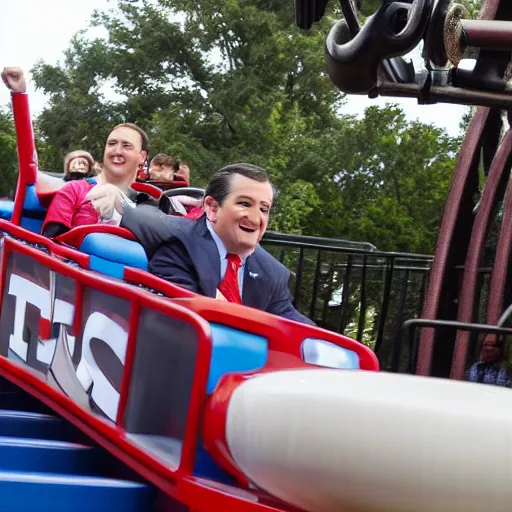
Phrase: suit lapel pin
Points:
(253, 274)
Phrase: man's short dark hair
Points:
(143, 136)
(163, 159)
(220, 183)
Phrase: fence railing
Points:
(352, 288)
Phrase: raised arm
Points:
(14, 79)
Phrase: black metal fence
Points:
(405, 347)
(354, 289)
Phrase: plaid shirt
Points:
(489, 373)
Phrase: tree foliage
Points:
(368, 7)
(237, 81)
(8, 155)
(392, 182)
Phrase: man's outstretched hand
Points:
(105, 199)
(14, 79)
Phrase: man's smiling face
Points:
(123, 153)
(242, 219)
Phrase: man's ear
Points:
(143, 156)
(211, 207)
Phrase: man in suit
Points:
(219, 255)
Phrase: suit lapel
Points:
(206, 259)
(253, 293)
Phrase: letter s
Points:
(88, 372)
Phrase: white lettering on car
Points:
(89, 374)
(25, 292)
(63, 313)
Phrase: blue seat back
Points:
(233, 351)
(33, 213)
(6, 209)
(109, 254)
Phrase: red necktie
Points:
(229, 285)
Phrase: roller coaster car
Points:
(144, 366)
(224, 407)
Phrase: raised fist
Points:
(14, 79)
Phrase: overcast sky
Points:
(32, 30)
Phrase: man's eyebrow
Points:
(122, 141)
(265, 202)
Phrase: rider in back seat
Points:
(78, 165)
(162, 168)
(81, 202)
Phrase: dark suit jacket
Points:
(183, 251)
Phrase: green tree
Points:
(77, 116)
(219, 71)
(388, 183)
(239, 82)
(8, 155)
(473, 6)
(209, 85)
